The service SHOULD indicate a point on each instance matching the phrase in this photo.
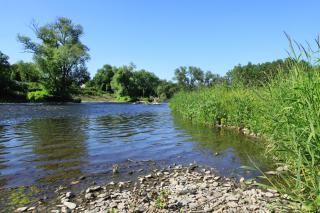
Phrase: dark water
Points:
(42, 143)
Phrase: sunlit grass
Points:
(286, 111)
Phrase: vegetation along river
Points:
(45, 145)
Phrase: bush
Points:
(38, 96)
(124, 99)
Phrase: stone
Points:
(215, 184)
(64, 209)
(242, 180)
(269, 194)
(232, 204)
(75, 182)
(21, 209)
(70, 205)
(88, 196)
(93, 189)
(31, 208)
(102, 195)
(216, 178)
(69, 194)
(232, 198)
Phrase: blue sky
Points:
(160, 35)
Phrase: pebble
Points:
(21, 209)
(70, 205)
(179, 189)
(93, 188)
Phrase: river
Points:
(48, 143)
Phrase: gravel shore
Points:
(178, 189)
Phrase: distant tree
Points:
(196, 77)
(103, 77)
(123, 83)
(60, 55)
(189, 77)
(259, 74)
(146, 83)
(180, 75)
(211, 79)
(4, 74)
(166, 89)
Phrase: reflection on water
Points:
(49, 143)
(59, 146)
(232, 150)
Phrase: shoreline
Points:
(175, 189)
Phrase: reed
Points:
(286, 111)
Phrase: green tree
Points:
(181, 77)
(60, 55)
(189, 77)
(196, 77)
(103, 77)
(4, 75)
(123, 83)
(26, 72)
(166, 89)
(146, 83)
(211, 79)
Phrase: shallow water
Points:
(47, 143)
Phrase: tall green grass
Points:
(286, 111)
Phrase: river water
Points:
(48, 143)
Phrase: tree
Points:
(26, 72)
(196, 76)
(4, 74)
(60, 55)
(181, 77)
(122, 82)
(166, 89)
(146, 83)
(103, 77)
(189, 77)
(211, 79)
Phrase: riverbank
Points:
(176, 189)
(285, 112)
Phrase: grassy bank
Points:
(286, 111)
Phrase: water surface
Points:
(47, 143)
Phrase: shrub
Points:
(38, 96)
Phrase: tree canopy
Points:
(60, 55)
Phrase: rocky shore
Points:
(176, 189)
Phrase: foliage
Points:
(162, 200)
(123, 83)
(38, 96)
(260, 74)
(25, 72)
(189, 78)
(166, 89)
(103, 77)
(60, 55)
(4, 74)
